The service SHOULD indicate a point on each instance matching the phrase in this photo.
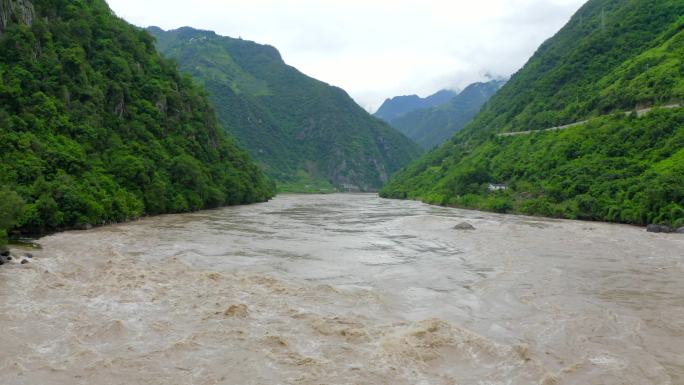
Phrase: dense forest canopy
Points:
(306, 134)
(613, 56)
(96, 127)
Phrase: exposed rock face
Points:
(16, 11)
(680, 230)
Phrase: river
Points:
(346, 289)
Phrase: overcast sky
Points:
(376, 49)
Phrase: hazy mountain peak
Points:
(431, 126)
(398, 106)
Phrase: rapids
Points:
(346, 289)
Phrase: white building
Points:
(497, 187)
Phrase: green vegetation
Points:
(304, 183)
(306, 134)
(398, 106)
(568, 78)
(433, 126)
(613, 56)
(96, 127)
(618, 168)
(11, 209)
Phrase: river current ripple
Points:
(346, 289)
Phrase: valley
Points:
(179, 205)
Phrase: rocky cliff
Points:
(15, 11)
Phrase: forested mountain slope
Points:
(398, 106)
(432, 126)
(613, 55)
(306, 134)
(96, 127)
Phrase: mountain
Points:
(399, 106)
(432, 126)
(306, 134)
(613, 56)
(95, 127)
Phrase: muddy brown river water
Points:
(346, 289)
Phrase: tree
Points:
(11, 209)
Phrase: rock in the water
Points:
(680, 230)
(9, 257)
(5, 253)
(464, 226)
(658, 229)
(239, 311)
(84, 226)
(24, 261)
(28, 255)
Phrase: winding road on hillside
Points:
(639, 113)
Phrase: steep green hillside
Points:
(614, 55)
(95, 127)
(398, 106)
(306, 134)
(565, 80)
(431, 127)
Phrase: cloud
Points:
(376, 49)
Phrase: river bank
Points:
(346, 288)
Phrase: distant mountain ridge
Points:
(306, 134)
(432, 126)
(399, 106)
